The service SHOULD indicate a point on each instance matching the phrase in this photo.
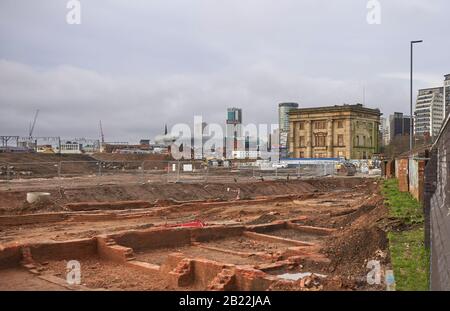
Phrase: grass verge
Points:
(409, 257)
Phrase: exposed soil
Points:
(117, 157)
(158, 256)
(295, 235)
(36, 165)
(14, 201)
(243, 244)
(352, 206)
(99, 274)
(18, 279)
(363, 239)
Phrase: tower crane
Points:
(31, 128)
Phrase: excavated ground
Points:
(264, 235)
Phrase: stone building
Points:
(348, 131)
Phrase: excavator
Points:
(346, 169)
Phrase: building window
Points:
(301, 126)
(319, 125)
(319, 141)
(340, 124)
(302, 141)
(340, 140)
(302, 154)
(364, 141)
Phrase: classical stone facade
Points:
(348, 131)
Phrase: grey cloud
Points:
(139, 64)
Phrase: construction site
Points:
(135, 222)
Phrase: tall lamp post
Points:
(411, 134)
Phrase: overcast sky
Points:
(139, 64)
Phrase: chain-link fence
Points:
(101, 172)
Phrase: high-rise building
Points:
(283, 123)
(447, 94)
(429, 112)
(384, 131)
(234, 116)
(233, 139)
(399, 125)
(283, 114)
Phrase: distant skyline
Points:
(138, 65)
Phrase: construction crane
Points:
(31, 129)
(102, 136)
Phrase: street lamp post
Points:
(411, 134)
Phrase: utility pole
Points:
(411, 128)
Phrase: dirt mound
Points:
(330, 184)
(263, 219)
(41, 206)
(361, 241)
(350, 218)
(41, 157)
(351, 249)
(163, 194)
(117, 157)
(165, 202)
(37, 165)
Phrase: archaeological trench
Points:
(304, 235)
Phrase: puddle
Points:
(298, 276)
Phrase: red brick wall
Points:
(402, 174)
(74, 249)
(152, 239)
(10, 256)
(390, 169)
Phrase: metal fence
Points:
(154, 171)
